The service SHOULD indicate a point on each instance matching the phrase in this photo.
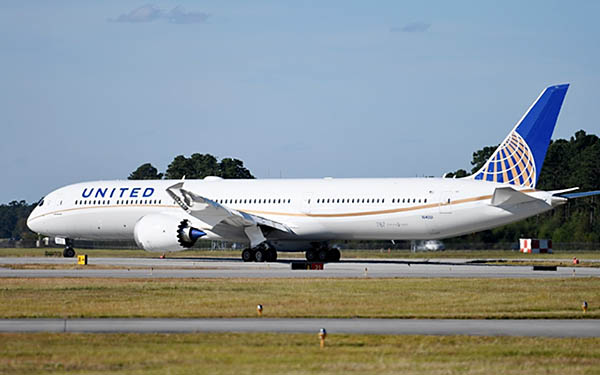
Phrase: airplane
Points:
(272, 215)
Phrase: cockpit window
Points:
(41, 202)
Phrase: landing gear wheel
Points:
(271, 255)
(260, 255)
(323, 255)
(311, 255)
(68, 252)
(248, 255)
(334, 255)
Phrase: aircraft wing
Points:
(213, 213)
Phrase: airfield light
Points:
(322, 336)
(584, 306)
(259, 309)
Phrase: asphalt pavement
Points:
(229, 268)
(472, 327)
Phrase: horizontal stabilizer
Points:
(581, 195)
(507, 196)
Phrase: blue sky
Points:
(91, 90)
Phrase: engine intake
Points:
(188, 235)
(163, 232)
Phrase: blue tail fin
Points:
(519, 159)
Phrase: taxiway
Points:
(229, 268)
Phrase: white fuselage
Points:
(314, 209)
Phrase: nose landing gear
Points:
(68, 252)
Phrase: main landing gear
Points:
(260, 253)
(323, 255)
(266, 253)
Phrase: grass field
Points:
(333, 298)
(293, 354)
(346, 254)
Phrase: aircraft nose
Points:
(33, 222)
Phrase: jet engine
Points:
(161, 232)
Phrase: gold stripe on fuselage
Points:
(294, 214)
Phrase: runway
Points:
(477, 327)
(228, 268)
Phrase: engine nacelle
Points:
(161, 232)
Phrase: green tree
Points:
(482, 156)
(199, 166)
(145, 172)
(13, 220)
(568, 163)
(233, 168)
(203, 165)
(179, 167)
(457, 174)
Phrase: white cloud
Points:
(150, 13)
(179, 15)
(145, 13)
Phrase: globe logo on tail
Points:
(512, 163)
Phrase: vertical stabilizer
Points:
(519, 158)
